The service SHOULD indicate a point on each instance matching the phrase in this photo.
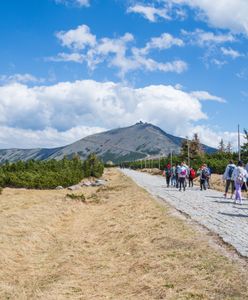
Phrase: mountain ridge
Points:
(117, 145)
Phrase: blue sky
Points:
(70, 68)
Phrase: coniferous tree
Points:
(229, 147)
(195, 146)
(184, 148)
(222, 147)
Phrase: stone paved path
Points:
(209, 208)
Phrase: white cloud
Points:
(78, 38)
(149, 12)
(224, 14)
(203, 95)
(230, 52)
(117, 52)
(34, 116)
(23, 78)
(218, 63)
(212, 137)
(207, 38)
(49, 137)
(80, 3)
(163, 42)
(70, 57)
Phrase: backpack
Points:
(205, 173)
(192, 173)
(183, 172)
(230, 171)
(168, 172)
(240, 178)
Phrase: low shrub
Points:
(80, 197)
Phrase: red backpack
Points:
(192, 173)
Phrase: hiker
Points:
(204, 174)
(182, 176)
(173, 176)
(167, 171)
(239, 176)
(177, 175)
(191, 177)
(208, 177)
(228, 177)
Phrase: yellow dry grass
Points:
(121, 244)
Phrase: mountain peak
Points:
(117, 145)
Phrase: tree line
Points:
(49, 174)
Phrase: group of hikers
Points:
(235, 176)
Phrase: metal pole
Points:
(239, 143)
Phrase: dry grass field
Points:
(120, 244)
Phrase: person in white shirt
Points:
(239, 176)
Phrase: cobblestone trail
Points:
(209, 208)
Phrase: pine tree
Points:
(222, 147)
(184, 148)
(229, 147)
(195, 146)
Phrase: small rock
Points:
(86, 183)
(59, 188)
(74, 187)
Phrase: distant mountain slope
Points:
(117, 145)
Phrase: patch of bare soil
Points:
(118, 243)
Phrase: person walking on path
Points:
(173, 176)
(208, 177)
(182, 176)
(177, 175)
(167, 171)
(204, 174)
(191, 177)
(239, 177)
(228, 178)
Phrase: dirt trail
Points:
(121, 244)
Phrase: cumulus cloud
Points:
(34, 116)
(163, 42)
(12, 137)
(78, 38)
(117, 52)
(149, 12)
(224, 14)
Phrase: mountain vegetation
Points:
(49, 174)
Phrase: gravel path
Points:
(209, 208)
